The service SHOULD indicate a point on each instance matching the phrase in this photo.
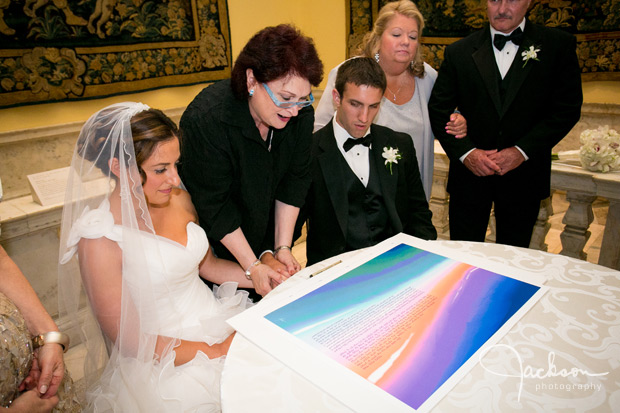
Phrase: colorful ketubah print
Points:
(405, 320)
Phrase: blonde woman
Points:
(394, 42)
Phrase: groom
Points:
(366, 183)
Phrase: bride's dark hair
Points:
(148, 129)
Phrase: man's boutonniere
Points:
(391, 156)
(531, 53)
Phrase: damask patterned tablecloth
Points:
(564, 354)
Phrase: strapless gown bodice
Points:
(178, 289)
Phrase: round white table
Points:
(564, 354)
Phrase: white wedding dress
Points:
(186, 309)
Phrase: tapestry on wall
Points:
(63, 50)
(595, 24)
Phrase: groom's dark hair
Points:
(361, 71)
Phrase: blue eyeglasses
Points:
(286, 105)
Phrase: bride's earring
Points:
(251, 92)
(377, 57)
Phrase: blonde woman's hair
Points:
(372, 40)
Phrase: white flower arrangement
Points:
(531, 53)
(600, 149)
(391, 156)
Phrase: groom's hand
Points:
(274, 264)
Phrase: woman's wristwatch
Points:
(51, 337)
(281, 247)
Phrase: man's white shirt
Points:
(506, 56)
(357, 156)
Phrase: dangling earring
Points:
(251, 92)
(412, 64)
(377, 57)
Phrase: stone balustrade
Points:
(582, 188)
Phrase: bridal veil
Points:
(133, 356)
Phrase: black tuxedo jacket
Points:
(542, 103)
(327, 204)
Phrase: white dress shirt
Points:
(506, 56)
(357, 156)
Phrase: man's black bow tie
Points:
(499, 40)
(351, 142)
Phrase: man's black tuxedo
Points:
(327, 204)
(534, 107)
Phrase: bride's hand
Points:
(225, 345)
(186, 350)
(285, 256)
(263, 278)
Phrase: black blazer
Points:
(541, 105)
(327, 206)
(230, 173)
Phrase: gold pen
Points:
(333, 264)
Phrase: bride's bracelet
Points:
(280, 248)
(247, 272)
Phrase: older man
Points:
(519, 87)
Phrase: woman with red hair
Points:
(246, 153)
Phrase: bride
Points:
(139, 253)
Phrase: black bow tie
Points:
(499, 40)
(351, 142)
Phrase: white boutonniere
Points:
(391, 156)
(531, 53)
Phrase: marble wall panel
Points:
(31, 151)
(21, 158)
(36, 254)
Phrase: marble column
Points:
(542, 226)
(439, 195)
(577, 219)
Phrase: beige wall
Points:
(323, 20)
(601, 92)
